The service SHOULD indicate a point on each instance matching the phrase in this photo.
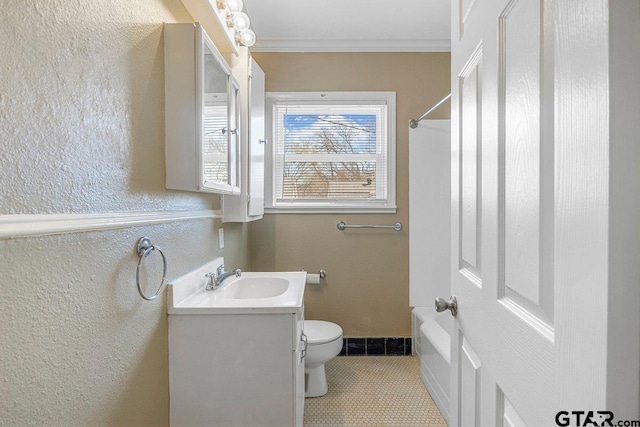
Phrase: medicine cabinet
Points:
(201, 114)
(249, 205)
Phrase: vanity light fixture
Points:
(233, 6)
(238, 20)
(246, 38)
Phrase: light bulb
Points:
(246, 38)
(235, 6)
(241, 21)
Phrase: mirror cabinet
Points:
(202, 114)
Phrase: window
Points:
(331, 152)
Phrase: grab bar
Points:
(341, 226)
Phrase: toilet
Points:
(324, 342)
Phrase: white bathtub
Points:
(432, 345)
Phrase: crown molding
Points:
(351, 45)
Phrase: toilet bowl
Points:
(324, 342)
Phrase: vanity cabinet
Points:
(236, 369)
(202, 114)
(249, 204)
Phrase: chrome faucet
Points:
(216, 279)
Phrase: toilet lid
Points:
(319, 331)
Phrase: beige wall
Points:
(82, 119)
(82, 131)
(366, 290)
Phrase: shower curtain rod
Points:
(414, 123)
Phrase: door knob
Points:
(442, 305)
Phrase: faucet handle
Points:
(211, 282)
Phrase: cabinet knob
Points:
(263, 141)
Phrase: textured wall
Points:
(82, 131)
(367, 287)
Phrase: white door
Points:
(533, 236)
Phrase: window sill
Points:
(302, 210)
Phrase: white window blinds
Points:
(336, 152)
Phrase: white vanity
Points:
(236, 354)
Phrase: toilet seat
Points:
(321, 332)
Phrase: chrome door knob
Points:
(442, 305)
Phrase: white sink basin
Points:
(255, 287)
(253, 292)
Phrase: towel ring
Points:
(144, 248)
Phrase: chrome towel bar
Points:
(397, 226)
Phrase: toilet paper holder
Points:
(322, 273)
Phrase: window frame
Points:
(387, 205)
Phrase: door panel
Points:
(526, 158)
(470, 390)
(519, 69)
(466, 7)
(470, 149)
(510, 417)
(506, 341)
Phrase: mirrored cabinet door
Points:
(234, 133)
(216, 128)
(201, 125)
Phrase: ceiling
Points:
(350, 25)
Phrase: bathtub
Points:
(432, 345)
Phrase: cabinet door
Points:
(299, 381)
(257, 141)
(200, 142)
(298, 370)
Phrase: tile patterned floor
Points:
(373, 391)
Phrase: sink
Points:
(252, 293)
(255, 287)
